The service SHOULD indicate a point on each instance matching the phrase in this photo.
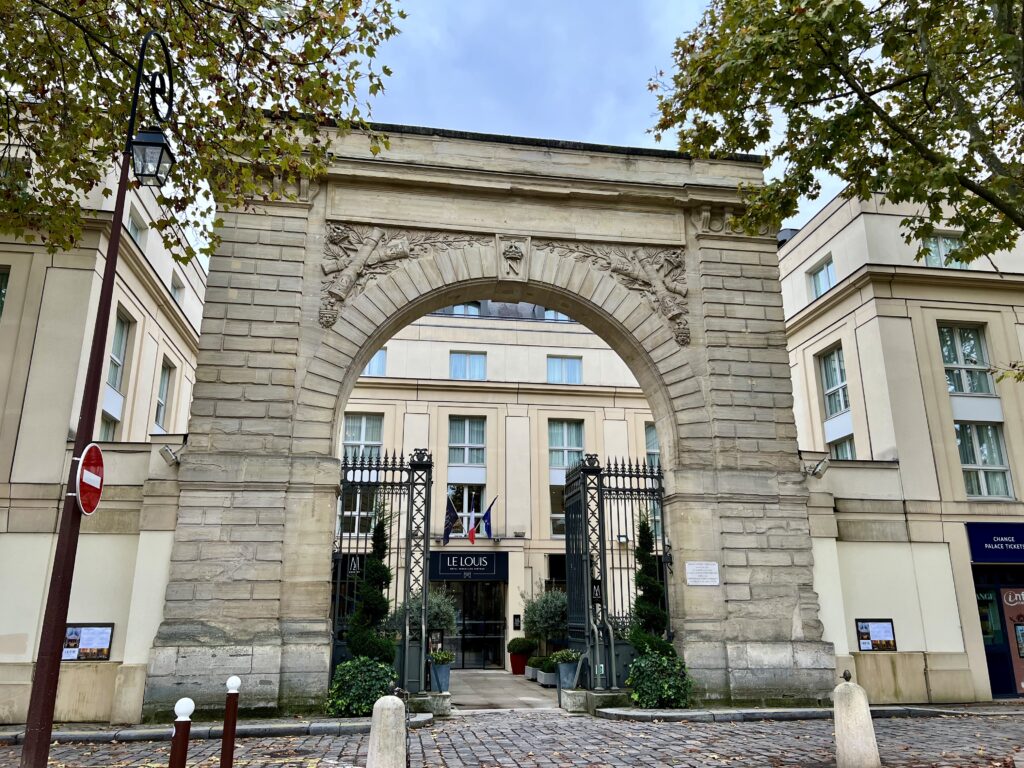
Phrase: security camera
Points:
(170, 457)
(818, 469)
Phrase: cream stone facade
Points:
(889, 359)
(46, 317)
(636, 245)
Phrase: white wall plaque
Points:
(702, 574)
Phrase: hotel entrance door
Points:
(479, 638)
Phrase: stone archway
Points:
(636, 244)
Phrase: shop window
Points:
(467, 440)
(565, 370)
(471, 366)
(833, 383)
(965, 359)
(983, 458)
(363, 435)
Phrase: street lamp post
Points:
(152, 159)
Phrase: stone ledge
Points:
(760, 715)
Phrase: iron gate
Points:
(602, 509)
(396, 490)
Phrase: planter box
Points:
(547, 679)
(531, 673)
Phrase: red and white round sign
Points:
(89, 481)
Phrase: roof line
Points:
(526, 141)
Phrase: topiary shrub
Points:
(441, 611)
(649, 607)
(546, 616)
(521, 645)
(644, 643)
(356, 686)
(659, 682)
(536, 662)
(365, 635)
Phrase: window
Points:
(467, 502)
(108, 429)
(466, 444)
(833, 380)
(653, 449)
(468, 365)
(823, 277)
(986, 471)
(4, 275)
(136, 228)
(565, 370)
(378, 363)
(471, 309)
(963, 354)
(565, 443)
(177, 288)
(938, 252)
(162, 395)
(554, 314)
(557, 494)
(363, 435)
(358, 506)
(843, 449)
(118, 351)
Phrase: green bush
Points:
(357, 685)
(659, 682)
(522, 645)
(549, 665)
(565, 656)
(644, 643)
(441, 657)
(648, 609)
(367, 635)
(440, 614)
(546, 616)
(535, 661)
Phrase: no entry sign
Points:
(89, 480)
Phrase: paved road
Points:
(546, 739)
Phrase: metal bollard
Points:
(227, 742)
(182, 725)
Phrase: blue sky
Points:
(561, 69)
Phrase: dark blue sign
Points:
(996, 542)
(468, 566)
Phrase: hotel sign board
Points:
(468, 566)
(996, 542)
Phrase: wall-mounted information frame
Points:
(875, 635)
(87, 642)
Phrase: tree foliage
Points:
(546, 616)
(367, 635)
(254, 82)
(649, 606)
(919, 100)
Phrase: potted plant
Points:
(545, 617)
(567, 661)
(440, 670)
(547, 675)
(519, 649)
(533, 665)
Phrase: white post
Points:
(855, 733)
(387, 734)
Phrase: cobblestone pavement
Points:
(521, 738)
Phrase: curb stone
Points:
(776, 715)
(202, 732)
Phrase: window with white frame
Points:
(163, 394)
(833, 382)
(651, 441)
(983, 458)
(823, 277)
(470, 366)
(469, 309)
(565, 443)
(467, 500)
(843, 449)
(556, 494)
(939, 248)
(136, 228)
(965, 359)
(108, 429)
(118, 352)
(565, 370)
(363, 435)
(357, 509)
(4, 276)
(177, 288)
(378, 364)
(466, 440)
(554, 314)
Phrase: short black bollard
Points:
(227, 741)
(182, 725)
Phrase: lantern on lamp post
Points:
(150, 155)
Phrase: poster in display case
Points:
(87, 642)
(875, 635)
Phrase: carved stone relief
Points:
(356, 255)
(718, 220)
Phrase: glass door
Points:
(479, 638)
